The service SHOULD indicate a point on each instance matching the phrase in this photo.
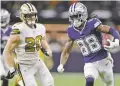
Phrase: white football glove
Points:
(60, 68)
(113, 45)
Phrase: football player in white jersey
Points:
(26, 39)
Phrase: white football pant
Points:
(40, 71)
(103, 68)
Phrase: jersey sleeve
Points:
(69, 33)
(15, 29)
(96, 22)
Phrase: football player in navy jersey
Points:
(87, 34)
(5, 33)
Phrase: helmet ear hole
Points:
(24, 15)
(79, 15)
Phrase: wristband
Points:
(114, 33)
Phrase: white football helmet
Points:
(28, 13)
(5, 17)
(78, 14)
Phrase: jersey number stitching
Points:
(89, 44)
(32, 44)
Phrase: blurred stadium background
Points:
(54, 15)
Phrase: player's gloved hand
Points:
(2, 77)
(60, 68)
(112, 45)
(11, 73)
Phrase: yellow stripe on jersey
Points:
(15, 31)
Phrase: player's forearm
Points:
(9, 57)
(46, 48)
(110, 30)
(64, 58)
(66, 51)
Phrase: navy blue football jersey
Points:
(89, 40)
(5, 33)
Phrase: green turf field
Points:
(75, 79)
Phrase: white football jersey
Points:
(27, 50)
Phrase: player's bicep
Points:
(14, 38)
(100, 27)
(103, 28)
(12, 43)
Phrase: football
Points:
(106, 43)
(105, 37)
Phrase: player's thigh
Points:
(90, 70)
(27, 75)
(107, 75)
(44, 75)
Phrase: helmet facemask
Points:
(76, 20)
(30, 19)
